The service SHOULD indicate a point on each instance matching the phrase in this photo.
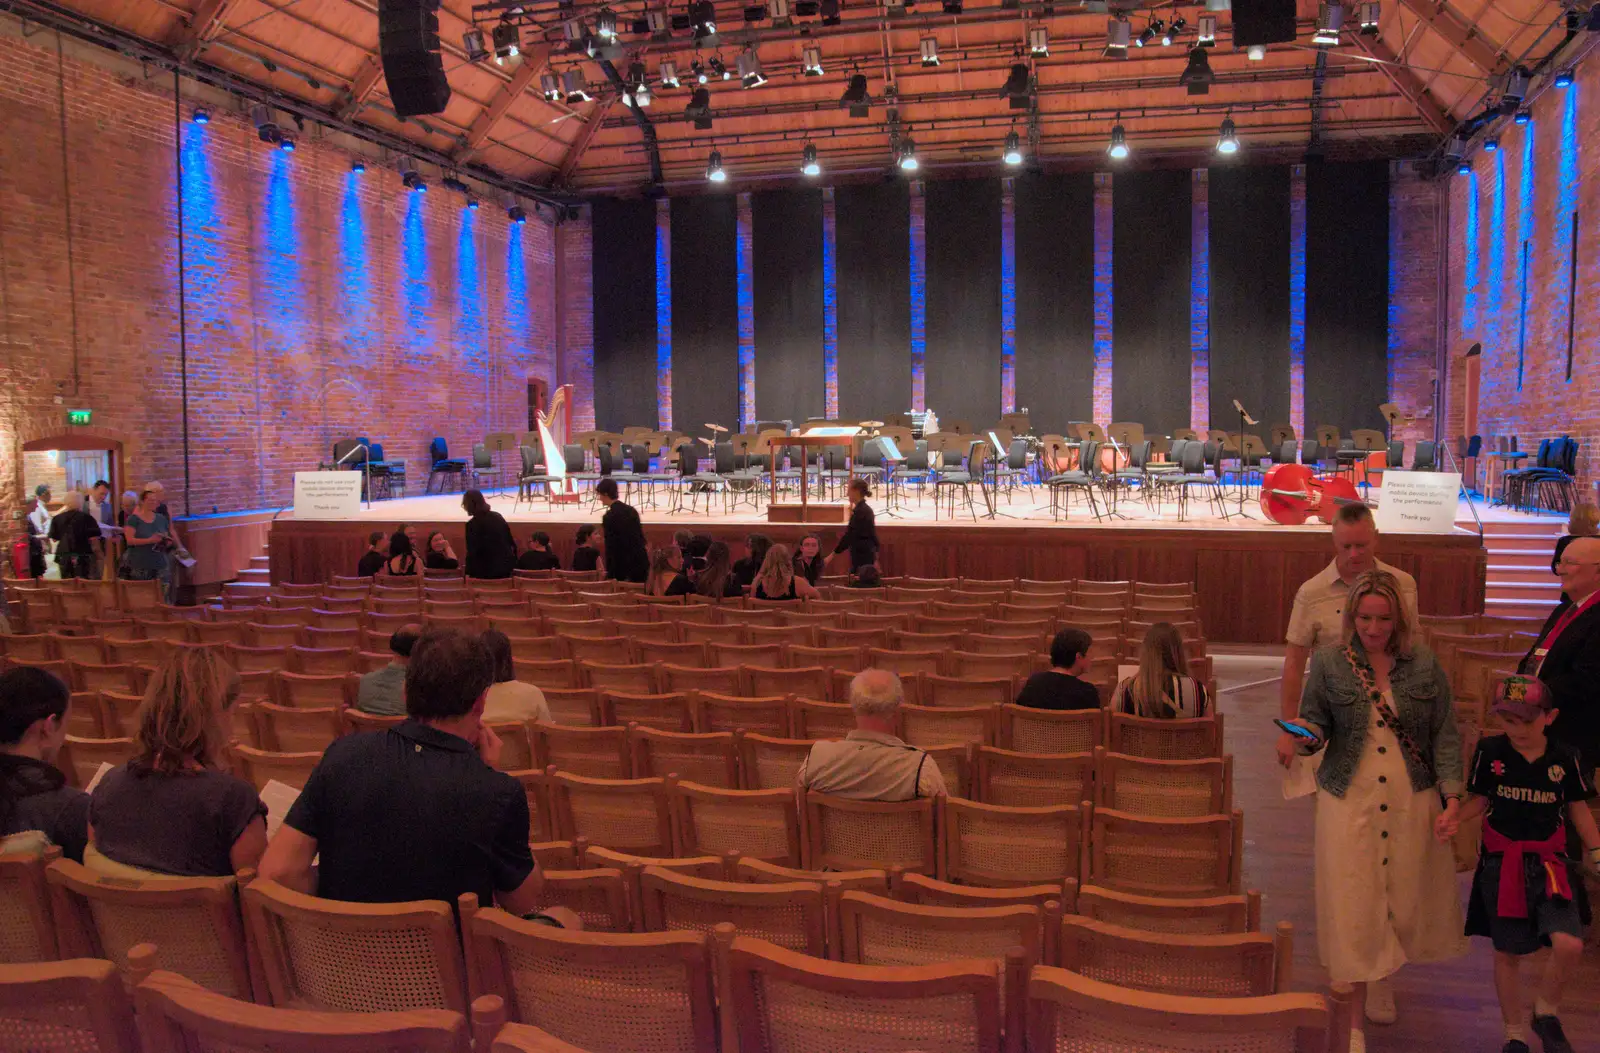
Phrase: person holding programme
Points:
(777, 579)
(1162, 687)
(491, 550)
(1061, 686)
(34, 794)
(538, 556)
(148, 533)
(175, 808)
(585, 556)
(1567, 654)
(871, 763)
(1526, 894)
(99, 503)
(402, 562)
(626, 553)
(440, 554)
(509, 699)
(372, 559)
(716, 578)
(1379, 707)
(860, 537)
(666, 577)
(39, 516)
(382, 692)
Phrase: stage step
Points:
(263, 561)
(1506, 608)
(1527, 561)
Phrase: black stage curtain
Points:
(962, 362)
(1347, 294)
(1055, 299)
(1249, 218)
(705, 312)
(1150, 259)
(624, 281)
(873, 231)
(786, 261)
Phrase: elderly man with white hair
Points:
(871, 763)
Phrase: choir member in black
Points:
(666, 576)
(1061, 686)
(440, 555)
(538, 556)
(755, 554)
(716, 578)
(778, 581)
(627, 555)
(585, 556)
(372, 559)
(860, 537)
(808, 559)
(491, 550)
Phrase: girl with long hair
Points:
(777, 580)
(666, 577)
(402, 561)
(509, 699)
(716, 578)
(1162, 687)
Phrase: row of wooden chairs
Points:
(75, 601)
(523, 579)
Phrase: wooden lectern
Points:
(804, 512)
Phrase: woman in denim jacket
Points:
(1381, 706)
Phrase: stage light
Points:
(1369, 18)
(718, 69)
(1514, 88)
(472, 44)
(1197, 75)
(1206, 31)
(550, 87)
(750, 74)
(201, 115)
(605, 24)
(636, 89)
(1039, 41)
(830, 12)
(516, 214)
(778, 11)
(472, 203)
(808, 161)
(358, 167)
(1149, 32)
(1522, 117)
(1463, 168)
(1117, 32)
(1563, 78)
(266, 126)
(1227, 137)
(697, 70)
(1013, 150)
(714, 170)
(811, 61)
(452, 182)
(908, 156)
(855, 91)
(668, 72)
(410, 178)
(574, 88)
(1175, 29)
(286, 144)
(1455, 148)
(699, 108)
(573, 33)
(657, 24)
(1330, 19)
(507, 40)
(1017, 82)
(930, 51)
(952, 7)
(1118, 147)
(1255, 52)
(1490, 145)
(703, 19)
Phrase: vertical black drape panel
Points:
(624, 277)
(1249, 217)
(961, 367)
(705, 312)
(786, 251)
(1150, 256)
(1347, 294)
(1055, 299)
(873, 233)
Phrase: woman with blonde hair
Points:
(1379, 708)
(776, 580)
(666, 577)
(175, 808)
(1162, 687)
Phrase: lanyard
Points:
(1567, 619)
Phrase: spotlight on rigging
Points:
(1369, 18)
(286, 144)
(507, 41)
(1522, 117)
(574, 87)
(811, 61)
(1149, 32)
(697, 70)
(267, 129)
(699, 108)
(201, 115)
(718, 69)
(908, 156)
(517, 214)
(1563, 78)
(657, 24)
(703, 19)
(930, 51)
(636, 89)
(1197, 75)
(1514, 88)
(1256, 52)
(1206, 31)
(358, 167)
(410, 178)
(1117, 33)
(1175, 29)
(714, 170)
(1456, 148)
(750, 74)
(808, 161)
(1463, 168)
(1012, 155)
(1490, 145)
(1118, 147)
(605, 24)
(1038, 41)
(1227, 137)
(550, 87)
(855, 98)
(1330, 20)
(1017, 82)
(472, 44)
(668, 72)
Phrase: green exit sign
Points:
(80, 416)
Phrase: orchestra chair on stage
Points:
(443, 467)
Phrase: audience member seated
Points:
(699, 545)
(871, 763)
(866, 577)
(585, 556)
(539, 556)
(684, 539)
(402, 561)
(34, 794)
(372, 559)
(1162, 687)
(491, 550)
(440, 555)
(509, 699)
(418, 811)
(778, 581)
(666, 573)
(755, 554)
(174, 808)
(808, 561)
(716, 578)
(382, 692)
(1060, 686)
(627, 553)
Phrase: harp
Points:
(555, 430)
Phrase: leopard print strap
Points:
(1363, 671)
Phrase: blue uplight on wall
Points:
(355, 280)
(746, 291)
(471, 333)
(414, 278)
(1495, 280)
(207, 264)
(282, 322)
(516, 290)
(1563, 244)
(830, 307)
(1200, 304)
(1008, 297)
(1297, 301)
(1470, 262)
(919, 297)
(664, 314)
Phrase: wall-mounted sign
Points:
(80, 416)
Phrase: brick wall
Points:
(1526, 192)
(318, 303)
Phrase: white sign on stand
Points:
(1418, 502)
(327, 495)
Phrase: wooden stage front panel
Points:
(1245, 579)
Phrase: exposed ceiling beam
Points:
(361, 88)
(580, 145)
(534, 62)
(1461, 34)
(188, 39)
(1406, 83)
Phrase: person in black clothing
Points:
(860, 537)
(1061, 686)
(585, 556)
(1583, 522)
(439, 554)
(373, 557)
(77, 538)
(666, 573)
(808, 558)
(1567, 654)
(755, 554)
(34, 794)
(627, 555)
(539, 556)
(716, 578)
(867, 577)
(402, 561)
(491, 550)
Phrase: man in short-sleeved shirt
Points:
(871, 763)
(417, 811)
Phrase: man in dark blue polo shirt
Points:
(417, 811)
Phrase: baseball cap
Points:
(1523, 697)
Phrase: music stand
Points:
(1244, 419)
(499, 442)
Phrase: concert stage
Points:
(1245, 571)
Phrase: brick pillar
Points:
(830, 307)
(1200, 303)
(747, 315)
(1102, 297)
(1008, 296)
(664, 314)
(1297, 299)
(919, 295)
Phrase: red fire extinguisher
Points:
(19, 558)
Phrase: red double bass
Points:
(1293, 493)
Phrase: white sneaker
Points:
(1380, 1002)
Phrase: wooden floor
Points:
(1449, 1007)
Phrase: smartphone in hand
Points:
(1296, 730)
